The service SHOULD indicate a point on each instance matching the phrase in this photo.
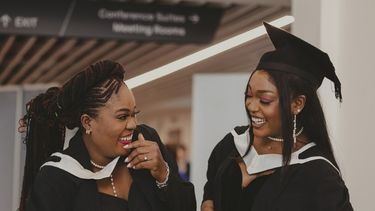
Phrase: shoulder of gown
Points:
(329, 191)
(311, 186)
(223, 149)
(55, 190)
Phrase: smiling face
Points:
(262, 102)
(113, 126)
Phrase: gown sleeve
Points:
(217, 156)
(178, 195)
(208, 193)
(53, 190)
(331, 192)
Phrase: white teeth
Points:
(257, 120)
(126, 138)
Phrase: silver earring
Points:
(294, 128)
(88, 131)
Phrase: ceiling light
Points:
(205, 53)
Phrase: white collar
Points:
(72, 166)
(256, 163)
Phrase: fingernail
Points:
(126, 146)
(129, 165)
(126, 160)
(133, 167)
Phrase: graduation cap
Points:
(296, 56)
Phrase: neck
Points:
(280, 139)
(264, 145)
(94, 154)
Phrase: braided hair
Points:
(49, 113)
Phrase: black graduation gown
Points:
(314, 185)
(57, 190)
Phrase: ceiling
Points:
(36, 60)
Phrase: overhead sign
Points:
(114, 20)
(32, 18)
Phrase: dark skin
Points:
(262, 102)
(115, 121)
(154, 162)
(121, 177)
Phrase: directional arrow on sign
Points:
(194, 18)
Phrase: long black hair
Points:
(49, 113)
(311, 117)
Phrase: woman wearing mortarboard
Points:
(284, 159)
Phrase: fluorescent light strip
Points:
(205, 53)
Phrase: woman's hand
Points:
(247, 179)
(146, 155)
(22, 126)
(207, 205)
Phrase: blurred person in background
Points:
(179, 152)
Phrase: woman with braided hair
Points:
(111, 162)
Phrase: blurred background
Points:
(44, 43)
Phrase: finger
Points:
(140, 159)
(21, 126)
(149, 158)
(137, 144)
(21, 129)
(140, 137)
(141, 140)
(138, 151)
(144, 165)
(21, 123)
(141, 148)
(153, 161)
(267, 173)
